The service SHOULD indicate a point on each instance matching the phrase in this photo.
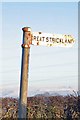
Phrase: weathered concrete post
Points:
(27, 39)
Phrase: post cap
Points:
(26, 29)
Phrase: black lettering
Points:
(43, 38)
(50, 39)
(47, 40)
(34, 37)
(37, 38)
(70, 40)
(53, 40)
(40, 38)
(58, 40)
(62, 41)
(66, 41)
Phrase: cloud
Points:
(9, 91)
(13, 91)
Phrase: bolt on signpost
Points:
(36, 38)
(24, 72)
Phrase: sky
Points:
(39, 0)
(50, 68)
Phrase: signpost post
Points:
(37, 38)
(27, 38)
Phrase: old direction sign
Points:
(48, 39)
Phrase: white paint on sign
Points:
(47, 39)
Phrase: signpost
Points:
(27, 38)
(36, 38)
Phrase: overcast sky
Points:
(50, 69)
